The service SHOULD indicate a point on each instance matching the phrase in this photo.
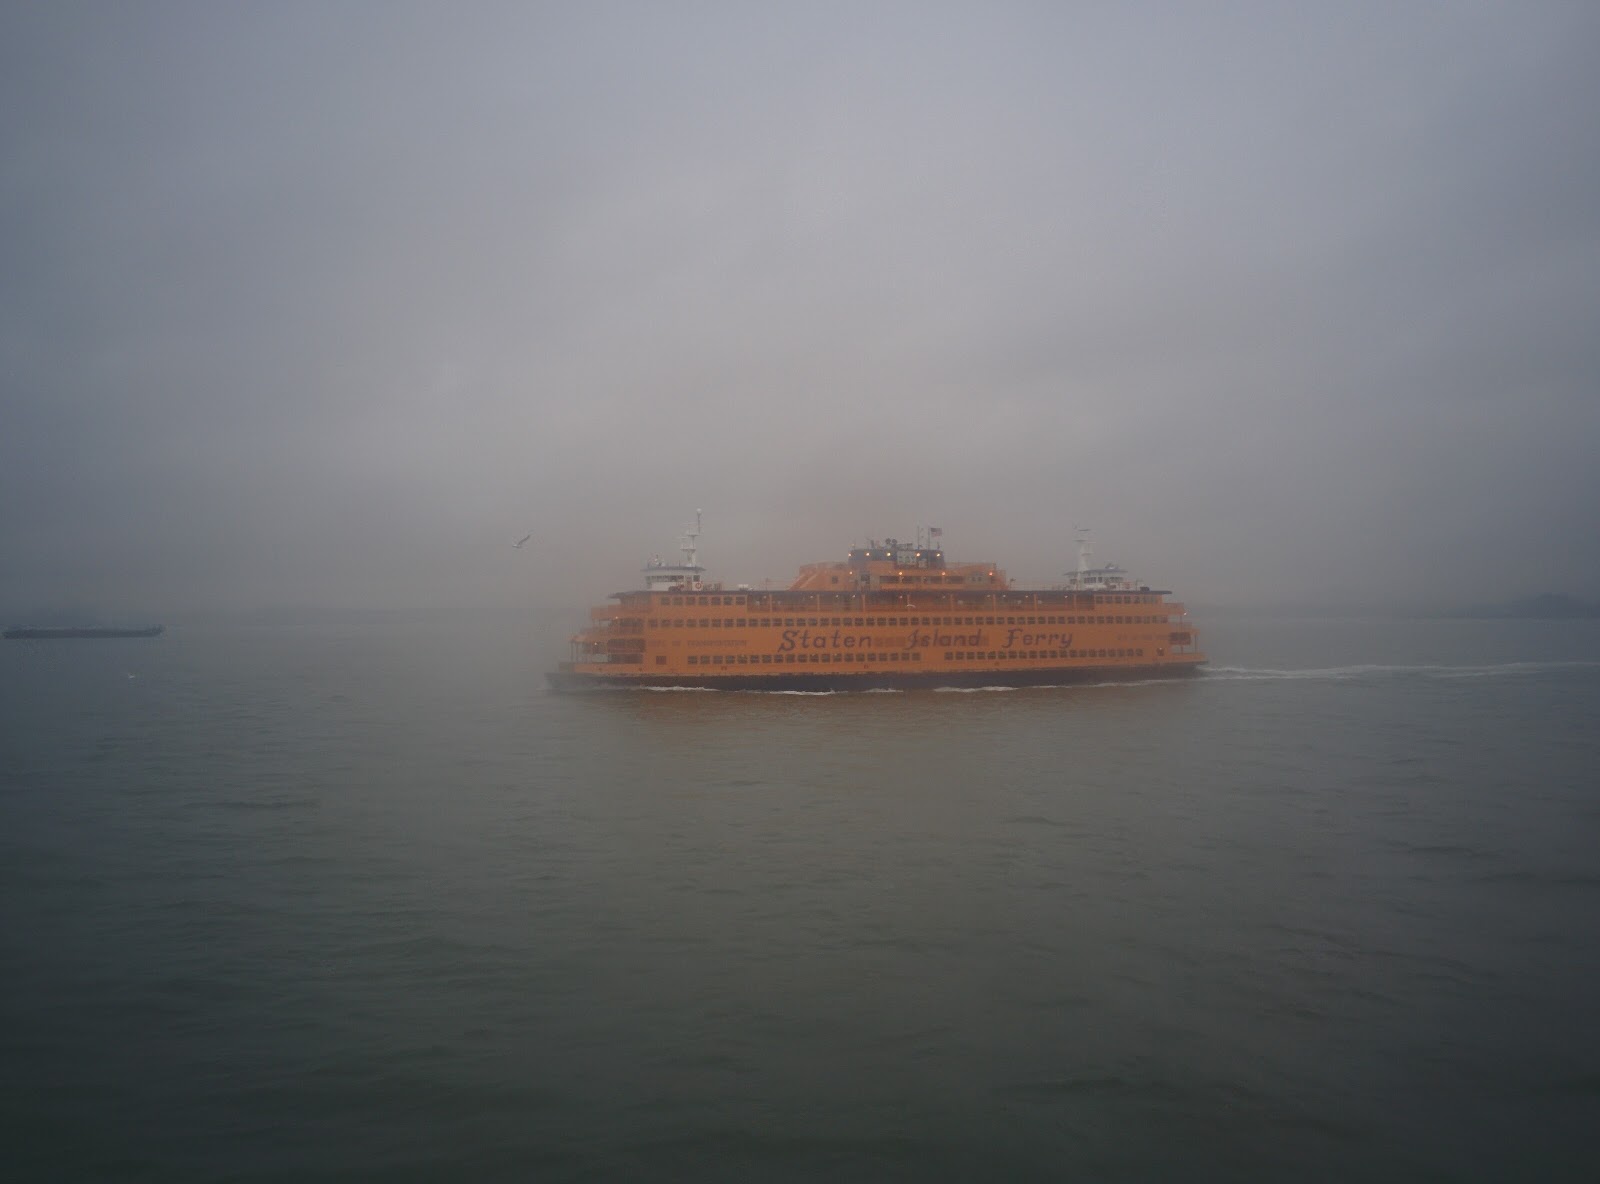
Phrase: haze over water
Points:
(341, 900)
(311, 313)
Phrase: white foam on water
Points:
(1378, 670)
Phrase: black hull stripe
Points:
(566, 681)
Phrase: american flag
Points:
(935, 532)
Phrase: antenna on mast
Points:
(1085, 549)
(689, 539)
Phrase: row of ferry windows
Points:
(703, 599)
(791, 659)
(862, 656)
(819, 622)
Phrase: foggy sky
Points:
(329, 303)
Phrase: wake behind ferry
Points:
(892, 616)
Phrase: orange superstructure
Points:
(892, 615)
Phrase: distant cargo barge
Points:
(20, 632)
(892, 615)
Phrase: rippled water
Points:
(329, 903)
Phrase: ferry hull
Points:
(571, 682)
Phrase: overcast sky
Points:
(329, 303)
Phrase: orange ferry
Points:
(893, 615)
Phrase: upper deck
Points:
(885, 609)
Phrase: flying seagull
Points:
(523, 539)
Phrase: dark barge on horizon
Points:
(20, 632)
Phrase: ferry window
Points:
(789, 658)
(815, 657)
(916, 655)
(860, 621)
(1139, 653)
(744, 659)
(766, 659)
(694, 659)
(716, 624)
(738, 600)
(661, 660)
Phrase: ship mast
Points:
(664, 577)
(689, 539)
